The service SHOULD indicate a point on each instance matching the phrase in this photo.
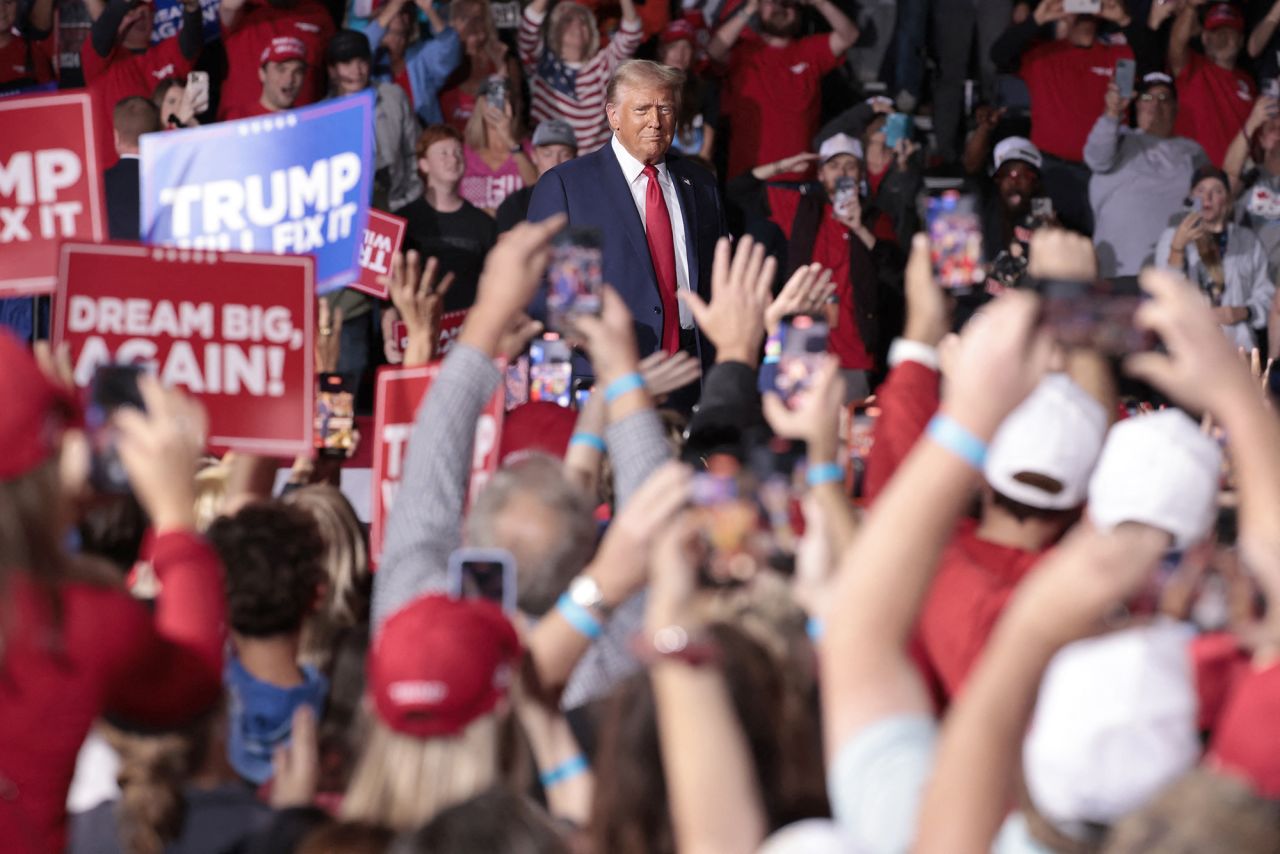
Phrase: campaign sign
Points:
(167, 20)
(50, 186)
(382, 238)
(295, 183)
(234, 330)
(399, 393)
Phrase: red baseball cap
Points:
(678, 30)
(1224, 15)
(35, 412)
(439, 663)
(536, 426)
(284, 49)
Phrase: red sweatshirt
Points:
(108, 655)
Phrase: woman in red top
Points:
(73, 644)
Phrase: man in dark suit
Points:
(659, 215)
(132, 117)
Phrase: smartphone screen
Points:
(550, 371)
(955, 240)
(575, 276)
(1093, 314)
(846, 189)
(483, 574)
(112, 387)
(1082, 7)
(896, 129)
(517, 383)
(804, 345)
(1126, 70)
(335, 432)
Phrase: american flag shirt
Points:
(573, 91)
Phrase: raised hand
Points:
(806, 292)
(328, 337)
(160, 449)
(740, 288)
(666, 372)
(418, 295)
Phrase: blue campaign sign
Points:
(168, 19)
(291, 183)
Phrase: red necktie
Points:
(662, 250)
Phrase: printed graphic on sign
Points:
(400, 392)
(50, 186)
(295, 183)
(167, 20)
(235, 330)
(382, 238)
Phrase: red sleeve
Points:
(1219, 664)
(176, 666)
(1247, 741)
(1194, 63)
(817, 49)
(91, 64)
(908, 398)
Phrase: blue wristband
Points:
(591, 440)
(813, 628)
(579, 617)
(622, 385)
(953, 436)
(824, 473)
(566, 770)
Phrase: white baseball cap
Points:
(1057, 433)
(1158, 469)
(1017, 148)
(1115, 723)
(840, 143)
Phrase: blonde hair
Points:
(637, 72)
(559, 20)
(346, 564)
(402, 782)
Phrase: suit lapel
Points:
(614, 184)
(689, 210)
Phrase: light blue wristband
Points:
(813, 628)
(591, 440)
(622, 385)
(824, 473)
(566, 770)
(579, 617)
(954, 437)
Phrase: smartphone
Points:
(897, 128)
(1096, 314)
(730, 523)
(517, 383)
(1271, 88)
(550, 371)
(955, 239)
(793, 355)
(575, 276)
(1081, 7)
(1042, 209)
(495, 92)
(862, 430)
(335, 433)
(112, 387)
(1197, 205)
(1126, 71)
(582, 391)
(846, 191)
(483, 574)
(198, 90)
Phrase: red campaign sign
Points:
(50, 186)
(399, 393)
(382, 238)
(235, 330)
(450, 326)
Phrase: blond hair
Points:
(641, 72)
(559, 20)
(402, 782)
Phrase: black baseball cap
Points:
(346, 45)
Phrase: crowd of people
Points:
(992, 572)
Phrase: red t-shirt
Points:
(108, 654)
(1213, 104)
(122, 74)
(1246, 742)
(1068, 87)
(247, 111)
(908, 398)
(457, 106)
(259, 23)
(21, 59)
(974, 582)
(774, 98)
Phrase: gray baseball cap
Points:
(555, 132)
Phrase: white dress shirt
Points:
(633, 171)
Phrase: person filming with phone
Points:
(1226, 260)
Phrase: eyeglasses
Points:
(1162, 97)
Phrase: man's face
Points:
(1215, 202)
(1157, 108)
(678, 54)
(8, 14)
(281, 82)
(135, 28)
(444, 162)
(1017, 182)
(779, 18)
(547, 157)
(1082, 30)
(396, 38)
(1222, 45)
(350, 76)
(644, 120)
(840, 166)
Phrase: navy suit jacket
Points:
(120, 185)
(593, 191)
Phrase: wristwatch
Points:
(586, 593)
